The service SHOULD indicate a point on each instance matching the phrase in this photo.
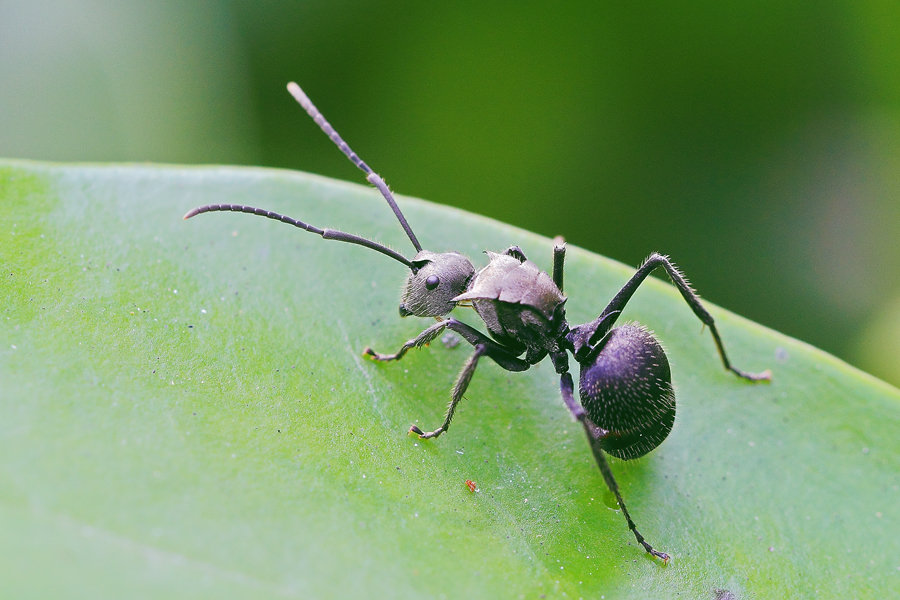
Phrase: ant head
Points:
(435, 280)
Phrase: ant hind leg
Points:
(690, 296)
(594, 435)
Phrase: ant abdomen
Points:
(626, 389)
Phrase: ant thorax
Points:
(520, 305)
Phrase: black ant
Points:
(627, 402)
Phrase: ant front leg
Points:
(499, 354)
(615, 306)
(459, 388)
(595, 434)
(420, 340)
(483, 346)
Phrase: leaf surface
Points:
(185, 411)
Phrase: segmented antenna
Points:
(371, 176)
(328, 234)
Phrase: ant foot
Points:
(372, 355)
(423, 435)
(755, 377)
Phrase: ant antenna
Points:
(328, 234)
(371, 176)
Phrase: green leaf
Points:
(185, 411)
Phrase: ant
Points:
(627, 403)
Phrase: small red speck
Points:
(471, 485)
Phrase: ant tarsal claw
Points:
(426, 435)
(765, 376)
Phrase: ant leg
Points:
(420, 340)
(595, 434)
(496, 352)
(484, 346)
(655, 260)
(516, 253)
(493, 350)
(459, 388)
(559, 259)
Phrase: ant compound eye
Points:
(432, 282)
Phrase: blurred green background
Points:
(756, 142)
